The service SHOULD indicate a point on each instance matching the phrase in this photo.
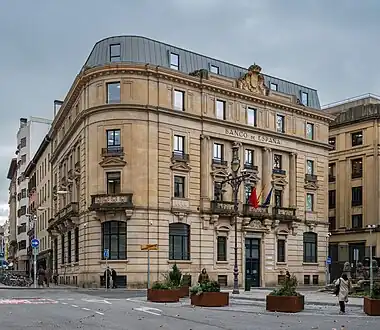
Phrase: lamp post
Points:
(235, 180)
(327, 257)
(371, 227)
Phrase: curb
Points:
(315, 303)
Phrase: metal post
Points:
(148, 281)
(236, 268)
(106, 274)
(370, 262)
(35, 267)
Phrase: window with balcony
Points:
(310, 241)
(332, 142)
(222, 248)
(305, 98)
(274, 87)
(69, 247)
(113, 92)
(114, 238)
(278, 198)
(115, 54)
(174, 61)
(76, 244)
(218, 153)
(332, 223)
(280, 124)
(310, 167)
(62, 249)
(310, 131)
(113, 140)
(220, 109)
(277, 161)
(280, 250)
(357, 139)
(356, 168)
(332, 199)
(309, 202)
(357, 221)
(179, 145)
(214, 69)
(248, 159)
(179, 241)
(179, 100)
(252, 117)
(113, 183)
(357, 196)
(179, 186)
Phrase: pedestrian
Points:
(203, 277)
(107, 277)
(343, 288)
(113, 275)
(47, 277)
(41, 277)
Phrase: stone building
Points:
(138, 154)
(354, 179)
(12, 213)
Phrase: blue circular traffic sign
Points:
(35, 243)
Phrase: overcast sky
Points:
(328, 45)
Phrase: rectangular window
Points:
(63, 249)
(113, 139)
(179, 241)
(357, 221)
(274, 87)
(305, 98)
(357, 196)
(310, 244)
(218, 152)
(174, 61)
(69, 247)
(114, 238)
(310, 131)
(23, 159)
(357, 138)
(278, 198)
(214, 69)
(309, 202)
(332, 199)
(248, 158)
(113, 183)
(331, 172)
(332, 142)
(76, 244)
(280, 123)
(179, 97)
(179, 186)
(332, 223)
(113, 92)
(220, 109)
(277, 162)
(310, 167)
(23, 142)
(281, 250)
(179, 144)
(251, 116)
(356, 168)
(115, 53)
(222, 248)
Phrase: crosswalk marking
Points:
(36, 301)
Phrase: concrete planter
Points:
(371, 306)
(184, 291)
(285, 304)
(210, 299)
(163, 296)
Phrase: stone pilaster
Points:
(266, 173)
(205, 169)
(292, 180)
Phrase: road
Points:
(122, 310)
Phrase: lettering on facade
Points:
(252, 137)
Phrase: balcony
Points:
(222, 207)
(284, 213)
(63, 181)
(311, 178)
(332, 178)
(219, 162)
(279, 171)
(250, 167)
(70, 174)
(115, 202)
(64, 219)
(178, 156)
(115, 151)
(250, 211)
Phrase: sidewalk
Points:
(311, 297)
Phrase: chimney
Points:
(57, 106)
(23, 122)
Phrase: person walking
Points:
(107, 277)
(343, 288)
(113, 275)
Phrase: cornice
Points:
(164, 73)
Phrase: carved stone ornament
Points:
(253, 81)
(112, 162)
(294, 227)
(222, 230)
(128, 213)
(311, 186)
(202, 73)
(219, 171)
(253, 178)
(205, 221)
(180, 166)
(279, 182)
(256, 225)
(311, 224)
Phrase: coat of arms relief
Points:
(253, 81)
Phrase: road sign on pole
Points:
(35, 243)
(149, 247)
(328, 260)
(106, 254)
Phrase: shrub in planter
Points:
(176, 280)
(286, 299)
(163, 292)
(208, 294)
(372, 303)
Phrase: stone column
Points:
(266, 173)
(292, 180)
(205, 170)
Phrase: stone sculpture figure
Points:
(253, 81)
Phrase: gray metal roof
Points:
(137, 49)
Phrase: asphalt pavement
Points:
(128, 310)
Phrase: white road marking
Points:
(134, 300)
(101, 301)
(65, 299)
(100, 313)
(149, 310)
(76, 306)
(63, 303)
(86, 309)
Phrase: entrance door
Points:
(252, 261)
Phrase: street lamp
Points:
(371, 227)
(235, 180)
(327, 257)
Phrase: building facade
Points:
(29, 137)
(12, 213)
(139, 152)
(354, 180)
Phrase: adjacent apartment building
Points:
(29, 137)
(354, 179)
(140, 147)
(12, 213)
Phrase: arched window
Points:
(310, 243)
(114, 238)
(179, 241)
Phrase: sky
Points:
(327, 45)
